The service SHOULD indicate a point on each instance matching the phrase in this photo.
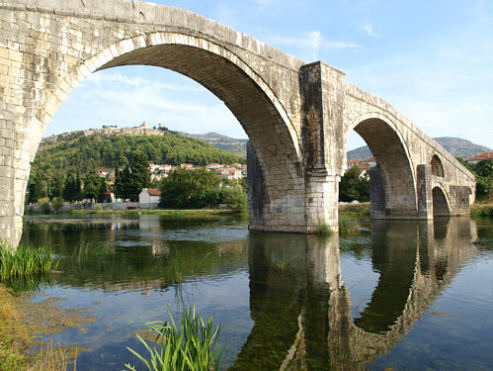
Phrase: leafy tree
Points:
(70, 191)
(94, 187)
(78, 187)
(484, 179)
(353, 186)
(186, 188)
(123, 188)
(37, 188)
(56, 186)
(141, 175)
(236, 198)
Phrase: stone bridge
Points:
(296, 115)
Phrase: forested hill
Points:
(77, 150)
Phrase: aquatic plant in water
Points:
(192, 346)
(23, 261)
(323, 230)
(348, 225)
(84, 251)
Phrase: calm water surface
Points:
(397, 295)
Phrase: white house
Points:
(149, 197)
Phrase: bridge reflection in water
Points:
(302, 310)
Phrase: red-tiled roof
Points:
(482, 156)
(371, 159)
(154, 192)
(354, 161)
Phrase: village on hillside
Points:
(150, 196)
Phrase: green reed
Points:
(191, 346)
(348, 225)
(23, 261)
(323, 231)
(85, 251)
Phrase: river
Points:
(401, 295)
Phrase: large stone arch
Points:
(226, 75)
(393, 184)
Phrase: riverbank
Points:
(23, 323)
(482, 209)
(171, 213)
(13, 333)
(359, 209)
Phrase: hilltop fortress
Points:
(142, 129)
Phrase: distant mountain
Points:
(456, 146)
(228, 144)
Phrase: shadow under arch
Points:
(392, 180)
(440, 202)
(437, 166)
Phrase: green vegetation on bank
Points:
(23, 261)
(171, 213)
(77, 152)
(13, 333)
(348, 225)
(483, 210)
(483, 171)
(130, 181)
(186, 189)
(191, 346)
(354, 186)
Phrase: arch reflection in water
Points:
(302, 310)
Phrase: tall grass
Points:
(85, 251)
(23, 261)
(348, 225)
(192, 346)
(323, 231)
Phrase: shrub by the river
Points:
(236, 199)
(191, 346)
(45, 206)
(482, 210)
(23, 261)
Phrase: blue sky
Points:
(432, 60)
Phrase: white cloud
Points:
(126, 100)
(116, 77)
(264, 2)
(313, 41)
(368, 28)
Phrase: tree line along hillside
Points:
(77, 152)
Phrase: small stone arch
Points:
(392, 182)
(437, 166)
(440, 202)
